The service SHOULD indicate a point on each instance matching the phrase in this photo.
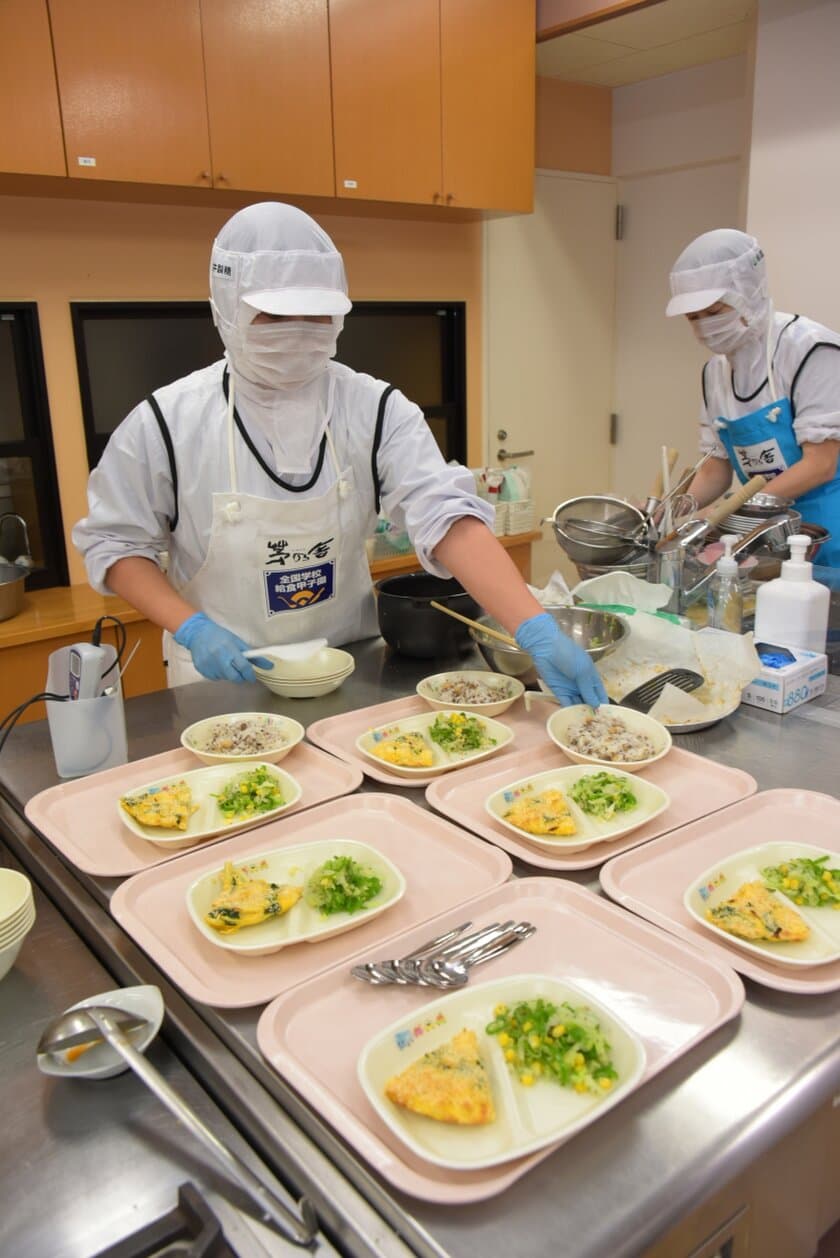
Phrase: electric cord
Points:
(120, 634)
(11, 719)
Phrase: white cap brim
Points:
(690, 303)
(299, 301)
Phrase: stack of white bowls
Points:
(306, 679)
(17, 916)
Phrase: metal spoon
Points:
(379, 972)
(95, 1022)
(457, 973)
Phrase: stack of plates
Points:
(306, 679)
(17, 916)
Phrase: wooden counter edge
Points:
(66, 610)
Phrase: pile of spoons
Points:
(445, 962)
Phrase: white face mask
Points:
(721, 333)
(278, 355)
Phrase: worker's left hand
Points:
(565, 667)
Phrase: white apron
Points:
(282, 571)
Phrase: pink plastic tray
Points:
(669, 994)
(696, 786)
(652, 881)
(338, 734)
(442, 866)
(80, 818)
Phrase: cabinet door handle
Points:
(503, 454)
(449, 198)
(435, 198)
(205, 174)
(220, 178)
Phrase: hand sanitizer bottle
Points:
(793, 609)
(726, 604)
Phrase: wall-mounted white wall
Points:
(793, 196)
(678, 145)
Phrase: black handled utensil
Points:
(643, 697)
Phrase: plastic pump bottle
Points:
(793, 609)
(726, 604)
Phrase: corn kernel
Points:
(527, 1081)
(580, 1086)
(558, 1030)
(534, 1041)
(528, 1026)
(499, 1010)
(606, 1084)
(504, 1039)
(510, 1055)
(580, 1060)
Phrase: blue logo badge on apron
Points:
(290, 591)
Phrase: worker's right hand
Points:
(216, 652)
(562, 664)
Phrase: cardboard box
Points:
(781, 687)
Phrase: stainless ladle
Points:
(100, 1022)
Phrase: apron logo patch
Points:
(764, 456)
(278, 551)
(298, 588)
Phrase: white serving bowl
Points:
(289, 730)
(101, 1061)
(304, 689)
(17, 929)
(328, 662)
(560, 723)
(15, 896)
(428, 687)
(11, 945)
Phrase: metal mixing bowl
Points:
(597, 632)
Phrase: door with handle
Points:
(548, 344)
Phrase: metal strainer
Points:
(576, 526)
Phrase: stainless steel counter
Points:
(618, 1186)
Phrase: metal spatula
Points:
(644, 697)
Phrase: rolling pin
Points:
(717, 514)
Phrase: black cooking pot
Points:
(411, 626)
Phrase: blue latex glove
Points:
(216, 652)
(565, 667)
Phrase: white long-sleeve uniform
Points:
(131, 498)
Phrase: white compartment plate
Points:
(208, 821)
(722, 880)
(442, 762)
(302, 923)
(527, 1118)
(652, 801)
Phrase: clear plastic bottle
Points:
(793, 609)
(725, 598)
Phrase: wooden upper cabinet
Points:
(386, 99)
(30, 122)
(131, 83)
(268, 94)
(488, 74)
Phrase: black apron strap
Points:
(170, 454)
(377, 442)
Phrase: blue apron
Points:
(764, 443)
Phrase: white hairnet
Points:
(723, 265)
(275, 258)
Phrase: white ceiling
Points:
(657, 40)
